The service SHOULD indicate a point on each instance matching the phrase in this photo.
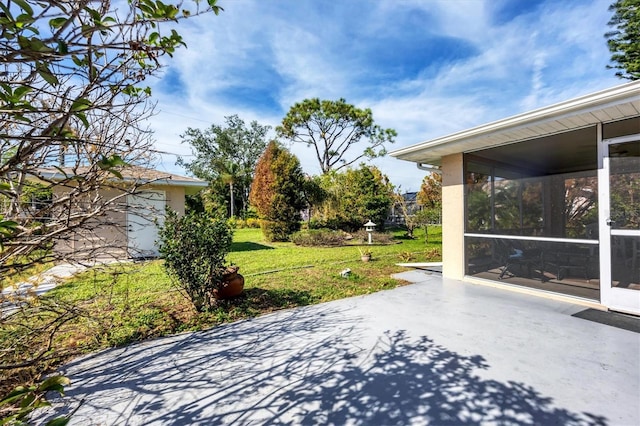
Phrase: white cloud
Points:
(539, 58)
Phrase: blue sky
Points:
(426, 68)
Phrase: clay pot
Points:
(365, 258)
(232, 284)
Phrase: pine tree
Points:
(624, 40)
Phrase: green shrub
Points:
(278, 231)
(377, 237)
(194, 248)
(318, 238)
(253, 223)
(237, 223)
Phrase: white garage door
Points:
(145, 214)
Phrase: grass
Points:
(117, 305)
(13, 277)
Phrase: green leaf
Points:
(60, 421)
(17, 393)
(109, 164)
(95, 15)
(82, 117)
(24, 5)
(213, 5)
(57, 22)
(47, 75)
(22, 118)
(62, 47)
(79, 62)
(21, 91)
(6, 11)
(80, 105)
(53, 383)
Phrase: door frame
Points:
(618, 299)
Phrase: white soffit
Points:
(613, 104)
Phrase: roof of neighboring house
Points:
(609, 105)
(130, 173)
(410, 196)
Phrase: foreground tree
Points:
(334, 129)
(624, 39)
(277, 192)
(72, 113)
(71, 97)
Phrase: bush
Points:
(278, 231)
(237, 223)
(318, 238)
(377, 237)
(194, 248)
(253, 223)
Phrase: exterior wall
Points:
(175, 197)
(453, 216)
(106, 235)
(101, 237)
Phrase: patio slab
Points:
(434, 352)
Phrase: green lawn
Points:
(130, 302)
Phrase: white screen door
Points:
(620, 212)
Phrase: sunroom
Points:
(547, 201)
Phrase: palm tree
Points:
(230, 172)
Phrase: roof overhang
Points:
(158, 178)
(609, 105)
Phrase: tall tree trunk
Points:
(231, 197)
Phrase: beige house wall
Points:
(453, 216)
(101, 237)
(175, 197)
(106, 235)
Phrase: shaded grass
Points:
(120, 304)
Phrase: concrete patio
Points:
(435, 352)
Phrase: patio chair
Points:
(517, 257)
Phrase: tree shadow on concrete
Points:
(312, 365)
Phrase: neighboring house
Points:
(128, 229)
(547, 201)
(395, 214)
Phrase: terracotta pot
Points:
(232, 284)
(365, 258)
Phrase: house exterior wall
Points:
(106, 235)
(102, 237)
(175, 197)
(453, 216)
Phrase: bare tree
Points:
(72, 101)
(72, 113)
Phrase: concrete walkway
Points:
(12, 297)
(435, 352)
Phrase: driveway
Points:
(434, 352)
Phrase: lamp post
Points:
(369, 227)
